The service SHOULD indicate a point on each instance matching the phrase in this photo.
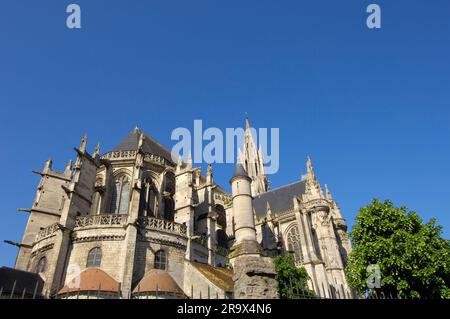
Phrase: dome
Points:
(156, 280)
(92, 279)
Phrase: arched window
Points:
(94, 257)
(294, 245)
(160, 260)
(120, 194)
(149, 199)
(221, 216)
(42, 264)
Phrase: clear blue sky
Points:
(370, 106)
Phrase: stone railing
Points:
(101, 220)
(227, 200)
(119, 155)
(47, 231)
(152, 158)
(162, 225)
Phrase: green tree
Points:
(292, 281)
(413, 259)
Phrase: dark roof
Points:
(239, 171)
(279, 199)
(24, 280)
(130, 143)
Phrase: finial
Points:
(96, 150)
(268, 210)
(309, 165)
(48, 164)
(189, 160)
(247, 123)
(83, 143)
(209, 169)
(141, 141)
(328, 193)
(68, 167)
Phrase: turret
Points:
(242, 206)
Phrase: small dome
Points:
(157, 280)
(92, 279)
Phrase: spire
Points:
(97, 150)
(313, 188)
(83, 143)
(68, 169)
(252, 160)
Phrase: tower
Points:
(254, 275)
(253, 162)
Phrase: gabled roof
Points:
(279, 199)
(130, 143)
(92, 279)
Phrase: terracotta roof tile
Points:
(156, 279)
(93, 279)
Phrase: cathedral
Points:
(133, 223)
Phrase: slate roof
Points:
(150, 145)
(239, 171)
(280, 199)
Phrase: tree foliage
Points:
(292, 281)
(414, 260)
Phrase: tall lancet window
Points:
(294, 245)
(149, 199)
(120, 195)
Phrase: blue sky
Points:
(370, 106)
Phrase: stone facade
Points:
(133, 209)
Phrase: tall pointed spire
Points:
(252, 160)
